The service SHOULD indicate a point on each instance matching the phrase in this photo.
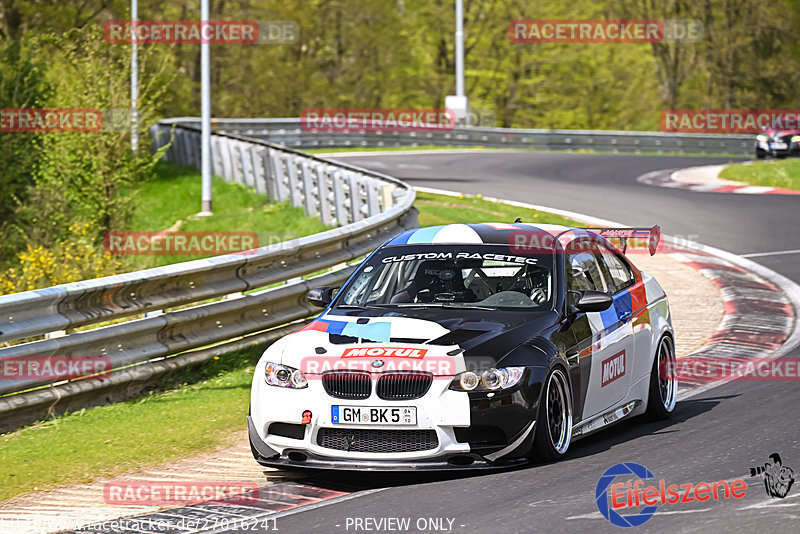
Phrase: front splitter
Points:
(453, 462)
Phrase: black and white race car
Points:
(473, 345)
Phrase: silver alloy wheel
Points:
(558, 407)
(666, 369)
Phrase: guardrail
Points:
(290, 132)
(371, 207)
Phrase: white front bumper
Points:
(440, 409)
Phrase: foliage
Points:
(80, 176)
(355, 53)
(74, 177)
(78, 258)
(22, 85)
(379, 53)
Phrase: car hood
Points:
(780, 133)
(449, 341)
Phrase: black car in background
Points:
(780, 140)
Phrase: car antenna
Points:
(518, 220)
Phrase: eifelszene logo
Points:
(613, 498)
(778, 478)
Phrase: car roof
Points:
(496, 233)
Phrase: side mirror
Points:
(321, 296)
(593, 301)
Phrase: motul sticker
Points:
(387, 352)
(613, 368)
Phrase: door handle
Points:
(624, 316)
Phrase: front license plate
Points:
(369, 415)
(779, 146)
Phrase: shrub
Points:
(80, 257)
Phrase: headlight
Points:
(796, 139)
(761, 137)
(489, 380)
(284, 376)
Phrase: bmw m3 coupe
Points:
(468, 346)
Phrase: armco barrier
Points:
(290, 132)
(369, 206)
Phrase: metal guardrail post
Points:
(294, 184)
(339, 199)
(323, 186)
(309, 187)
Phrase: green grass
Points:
(174, 195)
(177, 423)
(127, 436)
(443, 209)
(783, 173)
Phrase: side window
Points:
(583, 272)
(615, 269)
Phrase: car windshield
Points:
(463, 276)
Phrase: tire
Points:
(663, 389)
(553, 429)
(760, 154)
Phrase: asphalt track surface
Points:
(712, 436)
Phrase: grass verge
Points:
(195, 417)
(172, 199)
(784, 173)
(127, 436)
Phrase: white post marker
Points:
(458, 102)
(459, 48)
(134, 78)
(205, 105)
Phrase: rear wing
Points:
(653, 235)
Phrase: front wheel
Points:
(663, 382)
(553, 431)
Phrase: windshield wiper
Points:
(416, 305)
(467, 307)
(359, 307)
(441, 305)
